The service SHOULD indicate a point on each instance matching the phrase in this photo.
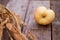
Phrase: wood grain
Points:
(41, 32)
(18, 6)
(55, 5)
(4, 2)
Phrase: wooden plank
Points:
(4, 2)
(18, 6)
(55, 0)
(41, 32)
(55, 5)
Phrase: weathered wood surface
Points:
(26, 8)
(41, 32)
(55, 5)
(4, 2)
(18, 6)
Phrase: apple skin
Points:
(44, 16)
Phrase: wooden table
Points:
(26, 8)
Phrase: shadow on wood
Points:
(4, 2)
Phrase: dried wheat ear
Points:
(12, 21)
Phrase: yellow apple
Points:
(44, 16)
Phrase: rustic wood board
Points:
(41, 32)
(55, 5)
(18, 6)
(4, 2)
(26, 8)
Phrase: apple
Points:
(44, 16)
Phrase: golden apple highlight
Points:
(44, 16)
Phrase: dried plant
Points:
(12, 21)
